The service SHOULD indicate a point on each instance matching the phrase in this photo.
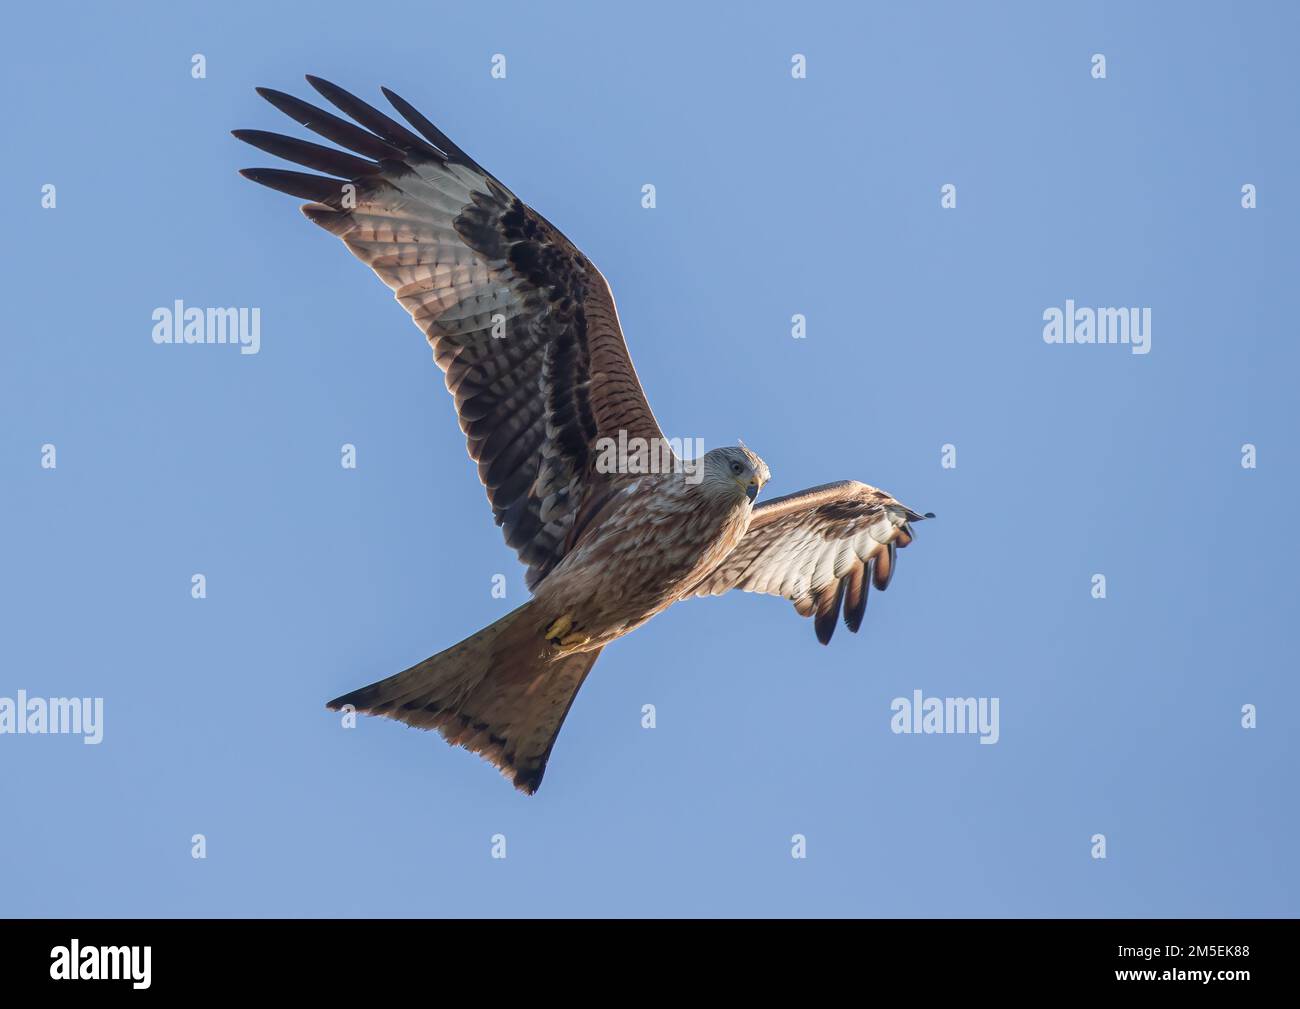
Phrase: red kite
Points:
(525, 330)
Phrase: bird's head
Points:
(734, 471)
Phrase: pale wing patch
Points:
(819, 549)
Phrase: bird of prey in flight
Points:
(525, 330)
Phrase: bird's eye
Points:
(737, 468)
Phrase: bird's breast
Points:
(658, 542)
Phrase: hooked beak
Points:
(751, 488)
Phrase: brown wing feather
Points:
(822, 549)
(521, 322)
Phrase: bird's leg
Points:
(564, 633)
(560, 626)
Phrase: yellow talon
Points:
(574, 640)
(559, 627)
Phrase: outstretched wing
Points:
(521, 322)
(820, 548)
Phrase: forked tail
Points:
(501, 693)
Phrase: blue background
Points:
(775, 197)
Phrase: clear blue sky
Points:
(775, 196)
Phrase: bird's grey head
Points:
(734, 472)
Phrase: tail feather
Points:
(501, 693)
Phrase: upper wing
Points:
(521, 322)
(819, 548)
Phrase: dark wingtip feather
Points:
(828, 612)
(413, 116)
(890, 560)
(285, 102)
(371, 118)
(430, 132)
(330, 126)
(299, 184)
(855, 600)
(314, 156)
